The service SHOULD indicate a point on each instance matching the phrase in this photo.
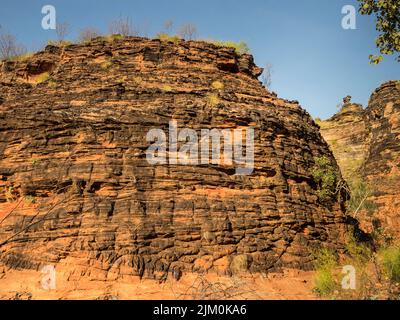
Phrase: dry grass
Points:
(217, 85)
(166, 88)
(106, 65)
(40, 78)
(168, 38)
(138, 80)
(204, 289)
(213, 99)
(240, 47)
(22, 57)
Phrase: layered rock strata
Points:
(366, 144)
(78, 192)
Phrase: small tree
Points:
(168, 25)
(88, 34)
(9, 48)
(188, 31)
(62, 30)
(266, 77)
(124, 27)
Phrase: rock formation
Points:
(77, 190)
(346, 132)
(366, 144)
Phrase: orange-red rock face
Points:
(347, 135)
(382, 164)
(72, 160)
(366, 144)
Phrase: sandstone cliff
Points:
(366, 144)
(77, 190)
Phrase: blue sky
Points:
(314, 60)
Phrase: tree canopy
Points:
(387, 14)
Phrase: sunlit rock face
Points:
(77, 190)
(366, 144)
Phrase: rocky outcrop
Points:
(77, 190)
(382, 163)
(366, 144)
(347, 134)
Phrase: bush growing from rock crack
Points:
(325, 175)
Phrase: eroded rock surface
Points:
(366, 144)
(77, 190)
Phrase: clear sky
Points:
(315, 61)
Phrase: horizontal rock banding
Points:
(72, 146)
(366, 144)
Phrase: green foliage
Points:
(325, 263)
(390, 258)
(369, 270)
(52, 43)
(387, 14)
(323, 124)
(240, 47)
(325, 259)
(374, 59)
(382, 237)
(58, 43)
(41, 77)
(325, 175)
(113, 37)
(324, 282)
(167, 37)
(360, 191)
(359, 252)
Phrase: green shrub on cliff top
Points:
(167, 37)
(240, 47)
(59, 43)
